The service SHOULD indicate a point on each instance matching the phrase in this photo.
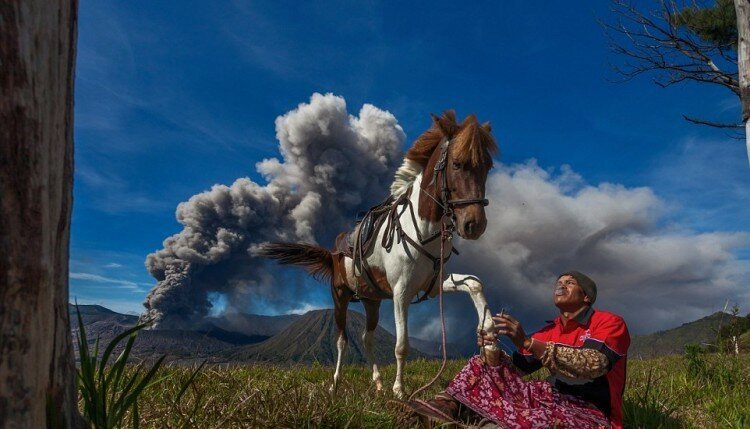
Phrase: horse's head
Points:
(457, 158)
(468, 160)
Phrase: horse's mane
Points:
(472, 143)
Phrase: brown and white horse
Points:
(443, 180)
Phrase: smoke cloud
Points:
(655, 273)
(542, 223)
(333, 165)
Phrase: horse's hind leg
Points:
(473, 286)
(372, 309)
(341, 297)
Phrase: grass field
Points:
(694, 391)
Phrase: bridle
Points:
(448, 205)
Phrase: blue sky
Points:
(173, 98)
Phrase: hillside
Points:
(96, 313)
(178, 345)
(673, 341)
(236, 338)
(253, 324)
(312, 338)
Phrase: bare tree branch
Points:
(655, 43)
(714, 124)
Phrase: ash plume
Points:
(332, 165)
(655, 274)
(541, 222)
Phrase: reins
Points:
(443, 239)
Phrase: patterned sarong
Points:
(501, 395)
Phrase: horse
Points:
(442, 179)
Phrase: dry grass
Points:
(661, 392)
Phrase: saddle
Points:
(365, 229)
(360, 242)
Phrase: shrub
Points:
(108, 393)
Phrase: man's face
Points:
(568, 295)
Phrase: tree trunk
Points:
(742, 7)
(37, 59)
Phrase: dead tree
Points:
(673, 47)
(742, 9)
(37, 59)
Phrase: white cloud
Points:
(124, 284)
(656, 275)
(113, 265)
(112, 194)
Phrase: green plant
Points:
(721, 373)
(728, 335)
(108, 393)
(695, 360)
(648, 408)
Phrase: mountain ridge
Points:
(211, 340)
(702, 331)
(309, 338)
(299, 344)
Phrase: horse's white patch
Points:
(405, 176)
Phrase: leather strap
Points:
(465, 201)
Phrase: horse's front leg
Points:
(400, 313)
(473, 286)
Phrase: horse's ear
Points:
(449, 116)
(435, 118)
(487, 127)
(446, 123)
(470, 119)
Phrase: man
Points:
(584, 349)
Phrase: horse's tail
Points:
(317, 260)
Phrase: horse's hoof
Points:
(398, 393)
(378, 386)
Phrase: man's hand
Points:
(510, 327)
